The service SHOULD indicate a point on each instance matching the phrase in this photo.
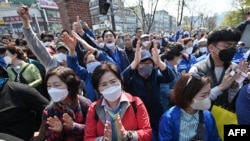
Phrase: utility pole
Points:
(112, 16)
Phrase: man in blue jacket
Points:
(143, 78)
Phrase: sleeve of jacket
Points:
(166, 75)
(104, 57)
(91, 124)
(145, 131)
(33, 99)
(166, 129)
(72, 63)
(243, 25)
(125, 59)
(211, 129)
(39, 50)
(36, 75)
(127, 76)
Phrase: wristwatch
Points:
(129, 135)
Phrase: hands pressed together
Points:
(122, 132)
(56, 125)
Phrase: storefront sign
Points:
(12, 19)
(4, 5)
(54, 19)
(48, 4)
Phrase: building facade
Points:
(44, 16)
(125, 20)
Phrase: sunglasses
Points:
(196, 76)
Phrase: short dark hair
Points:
(186, 40)
(186, 88)
(136, 30)
(172, 50)
(108, 30)
(16, 50)
(68, 76)
(101, 70)
(43, 35)
(65, 30)
(248, 13)
(223, 34)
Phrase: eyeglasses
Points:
(224, 47)
(196, 76)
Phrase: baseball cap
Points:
(145, 54)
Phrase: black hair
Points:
(108, 30)
(173, 49)
(223, 34)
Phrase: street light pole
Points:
(112, 15)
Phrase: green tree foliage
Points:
(233, 18)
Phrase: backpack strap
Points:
(19, 77)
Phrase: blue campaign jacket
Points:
(238, 56)
(123, 57)
(134, 84)
(185, 65)
(169, 128)
(85, 75)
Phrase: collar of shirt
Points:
(123, 98)
(188, 117)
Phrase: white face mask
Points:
(110, 45)
(58, 95)
(145, 43)
(159, 51)
(46, 43)
(112, 93)
(204, 104)
(189, 50)
(101, 45)
(91, 66)
(60, 57)
(166, 39)
(7, 59)
(203, 49)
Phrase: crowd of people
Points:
(148, 87)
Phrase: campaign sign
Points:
(237, 132)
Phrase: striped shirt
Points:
(188, 125)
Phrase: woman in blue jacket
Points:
(91, 60)
(181, 122)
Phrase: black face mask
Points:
(226, 55)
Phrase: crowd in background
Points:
(80, 86)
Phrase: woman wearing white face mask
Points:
(188, 59)
(64, 118)
(118, 115)
(190, 119)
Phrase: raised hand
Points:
(155, 55)
(23, 12)
(228, 78)
(55, 124)
(77, 26)
(69, 41)
(68, 122)
(107, 132)
(122, 131)
(137, 58)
